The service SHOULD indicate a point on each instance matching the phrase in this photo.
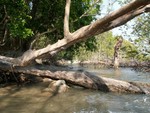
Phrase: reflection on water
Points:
(31, 99)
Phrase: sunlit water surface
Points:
(31, 99)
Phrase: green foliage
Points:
(141, 30)
(28, 18)
(77, 49)
(82, 12)
(106, 43)
(51, 17)
(18, 13)
(129, 50)
(104, 48)
(41, 42)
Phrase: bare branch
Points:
(66, 18)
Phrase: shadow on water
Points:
(32, 100)
(15, 99)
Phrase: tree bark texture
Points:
(66, 18)
(84, 79)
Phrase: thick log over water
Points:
(83, 79)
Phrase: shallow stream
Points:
(31, 99)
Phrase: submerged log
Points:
(83, 79)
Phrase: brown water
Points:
(32, 99)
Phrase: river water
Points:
(31, 99)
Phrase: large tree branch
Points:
(100, 25)
(66, 18)
(124, 19)
(115, 19)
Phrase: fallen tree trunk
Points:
(84, 79)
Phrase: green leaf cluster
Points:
(141, 30)
(104, 49)
(27, 18)
(18, 14)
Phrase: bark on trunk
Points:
(66, 19)
(84, 79)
